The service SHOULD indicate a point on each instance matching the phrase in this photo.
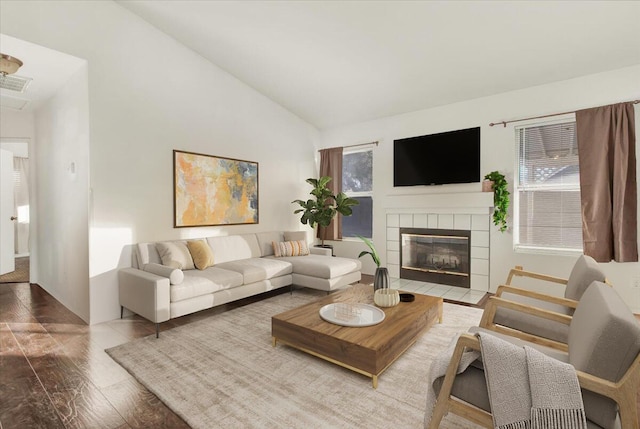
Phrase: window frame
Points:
(348, 151)
(518, 188)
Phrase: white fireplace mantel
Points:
(461, 202)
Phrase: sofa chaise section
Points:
(324, 273)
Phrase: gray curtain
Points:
(331, 165)
(608, 189)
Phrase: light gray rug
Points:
(223, 372)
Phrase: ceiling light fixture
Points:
(9, 64)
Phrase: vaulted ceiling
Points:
(337, 62)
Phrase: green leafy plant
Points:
(324, 207)
(373, 253)
(500, 199)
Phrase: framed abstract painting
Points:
(210, 190)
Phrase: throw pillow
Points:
(296, 236)
(175, 254)
(201, 254)
(290, 248)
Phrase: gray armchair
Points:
(584, 272)
(603, 347)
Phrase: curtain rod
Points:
(352, 145)
(504, 123)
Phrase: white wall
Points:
(497, 153)
(149, 95)
(62, 184)
(15, 124)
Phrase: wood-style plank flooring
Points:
(54, 372)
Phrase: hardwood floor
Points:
(20, 274)
(54, 372)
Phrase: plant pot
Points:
(386, 297)
(487, 186)
(381, 279)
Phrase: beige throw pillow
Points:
(290, 248)
(295, 236)
(201, 253)
(175, 254)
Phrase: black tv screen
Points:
(437, 159)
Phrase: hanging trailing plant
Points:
(500, 199)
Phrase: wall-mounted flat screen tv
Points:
(437, 159)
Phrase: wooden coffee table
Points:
(367, 350)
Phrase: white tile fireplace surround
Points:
(459, 211)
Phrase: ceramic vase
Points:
(386, 297)
(381, 279)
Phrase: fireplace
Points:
(436, 255)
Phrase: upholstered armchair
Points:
(506, 318)
(603, 347)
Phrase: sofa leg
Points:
(121, 311)
(157, 330)
(291, 289)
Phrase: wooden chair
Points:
(508, 318)
(603, 346)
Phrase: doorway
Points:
(18, 200)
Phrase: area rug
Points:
(224, 372)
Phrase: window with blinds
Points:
(357, 182)
(547, 199)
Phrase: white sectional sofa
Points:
(243, 265)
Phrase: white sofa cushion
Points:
(234, 247)
(266, 238)
(326, 284)
(197, 283)
(175, 254)
(324, 267)
(257, 269)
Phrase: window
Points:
(357, 182)
(547, 214)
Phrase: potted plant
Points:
(500, 199)
(383, 295)
(321, 209)
(381, 277)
